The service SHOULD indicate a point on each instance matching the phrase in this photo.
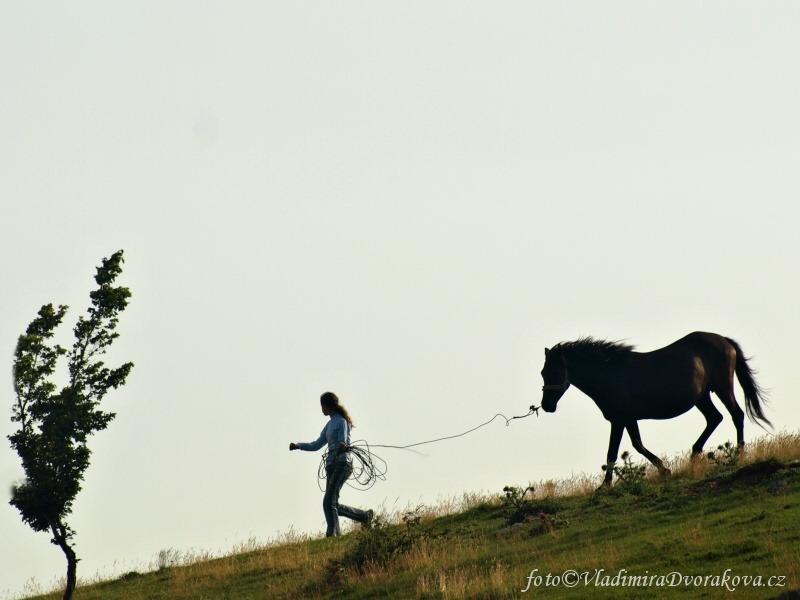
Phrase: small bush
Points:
(630, 477)
(518, 506)
(515, 503)
(726, 457)
(382, 544)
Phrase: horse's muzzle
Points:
(549, 407)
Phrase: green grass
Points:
(708, 518)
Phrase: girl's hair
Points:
(331, 400)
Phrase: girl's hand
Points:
(342, 447)
(293, 446)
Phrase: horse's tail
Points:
(754, 394)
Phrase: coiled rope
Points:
(368, 467)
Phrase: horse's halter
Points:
(559, 387)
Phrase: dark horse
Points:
(628, 386)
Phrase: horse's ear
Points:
(546, 352)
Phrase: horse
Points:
(628, 386)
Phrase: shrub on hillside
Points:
(382, 544)
(519, 504)
(726, 457)
(630, 477)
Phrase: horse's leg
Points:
(713, 419)
(723, 388)
(617, 429)
(737, 414)
(636, 439)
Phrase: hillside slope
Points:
(710, 528)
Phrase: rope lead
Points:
(368, 467)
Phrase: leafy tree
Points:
(54, 425)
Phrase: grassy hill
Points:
(710, 527)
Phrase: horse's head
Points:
(555, 376)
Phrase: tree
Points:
(54, 426)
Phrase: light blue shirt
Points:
(335, 431)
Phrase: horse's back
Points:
(710, 346)
(684, 359)
(717, 350)
(702, 339)
(699, 355)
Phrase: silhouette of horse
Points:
(628, 386)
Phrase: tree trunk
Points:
(61, 537)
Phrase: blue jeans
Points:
(338, 473)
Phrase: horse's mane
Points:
(600, 349)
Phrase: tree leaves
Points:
(54, 426)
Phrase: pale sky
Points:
(403, 203)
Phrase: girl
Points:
(338, 463)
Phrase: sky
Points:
(400, 202)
